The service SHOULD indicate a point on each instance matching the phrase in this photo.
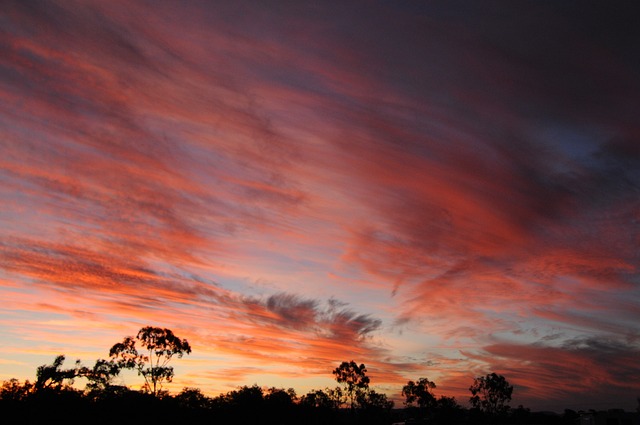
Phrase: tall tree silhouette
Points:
(160, 345)
(354, 379)
(491, 393)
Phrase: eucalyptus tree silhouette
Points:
(161, 346)
(354, 379)
(491, 394)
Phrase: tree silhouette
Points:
(161, 345)
(280, 397)
(101, 376)
(322, 399)
(447, 410)
(373, 400)
(279, 405)
(192, 398)
(354, 379)
(12, 390)
(420, 393)
(491, 393)
(54, 377)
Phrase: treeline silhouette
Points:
(53, 399)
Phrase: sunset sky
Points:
(435, 189)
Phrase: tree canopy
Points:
(419, 392)
(53, 376)
(491, 394)
(160, 345)
(354, 378)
